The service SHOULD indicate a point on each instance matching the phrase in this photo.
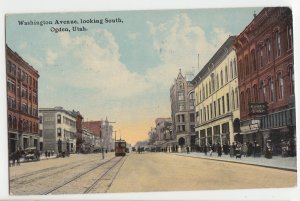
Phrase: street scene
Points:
(89, 174)
(150, 101)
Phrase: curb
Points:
(239, 162)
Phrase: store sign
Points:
(258, 108)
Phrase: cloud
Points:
(178, 43)
(133, 35)
(99, 66)
(51, 57)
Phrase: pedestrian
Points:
(238, 151)
(205, 150)
(250, 149)
(219, 150)
(244, 149)
(234, 148)
(210, 150)
(187, 150)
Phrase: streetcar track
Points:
(103, 175)
(109, 185)
(75, 177)
(66, 167)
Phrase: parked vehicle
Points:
(31, 153)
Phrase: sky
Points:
(124, 70)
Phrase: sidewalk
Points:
(278, 162)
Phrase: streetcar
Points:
(120, 147)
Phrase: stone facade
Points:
(217, 99)
(182, 98)
(58, 128)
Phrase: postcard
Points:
(146, 101)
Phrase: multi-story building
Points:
(182, 96)
(22, 102)
(58, 128)
(217, 99)
(95, 128)
(266, 78)
(165, 139)
(79, 129)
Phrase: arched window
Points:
(278, 43)
(243, 102)
(253, 61)
(14, 123)
(255, 94)
(20, 125)
(233, 102)
(9, 122)
(290, 36)
(58, 118)
(262, 91)
(226, 74)
(271, 87)
(248, 98)
(231, 70)
(269, 50)
(241, 69)
(280, 85)
(221, 75)
(30, 126)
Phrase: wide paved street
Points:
(140, 173)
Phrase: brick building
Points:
(22, 102)
(266, 77)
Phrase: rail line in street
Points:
(41, 172)
(77, 177)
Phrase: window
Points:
(58, 118)
(271, 85)
(247, 65)
(215, 108)
(233, 102)
(219, 106)
(180, 96)
(223, 104)
(41, 119)
(237, 97)
(207, 111)
(278, 43)
(248, 98)
(209, 86)
(211, 110)
(206, 91)
(263, 91)
(280, 86)
(292, 80)
(290, 36)
(227, 100)
(253, 61)
(261, 56)
(59, 132)
(255, 94)
(181, 106)
(204, 113)
(269, 50)
(226, 74)
(231, 70)
(192, 100)
(242, 102)
(221, 75)
(217, 80)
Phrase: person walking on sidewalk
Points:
(244, 149)
(205, 150)
(219, 150)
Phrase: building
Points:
(22, 102)
(58, 128)
(182, 96)
(266, 79)
(93, 126)
(79, 129)
(106, 135)
(217, 99)
(165, 139)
